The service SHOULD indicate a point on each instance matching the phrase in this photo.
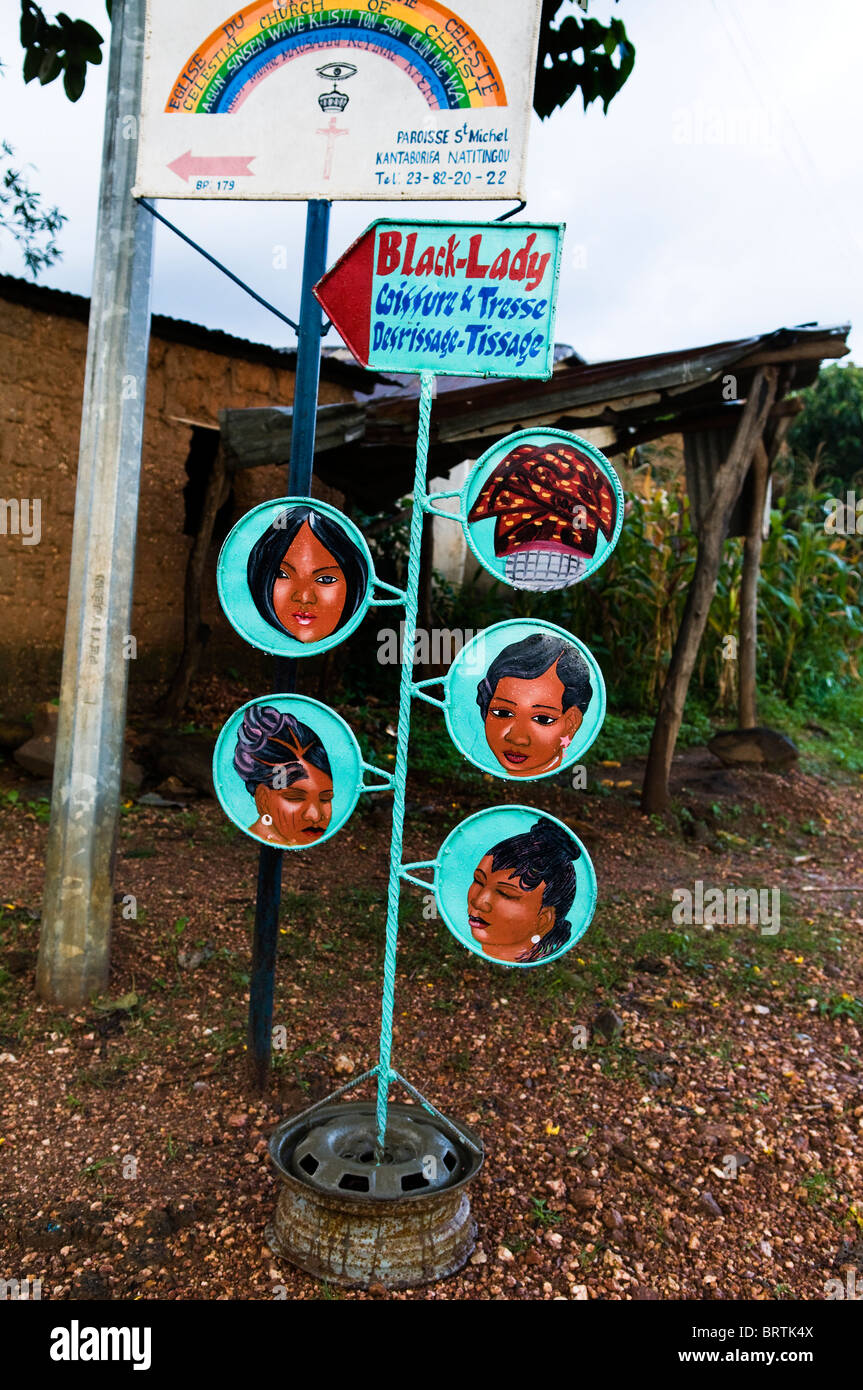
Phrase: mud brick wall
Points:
(193, 373)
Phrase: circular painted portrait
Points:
(515, 886)
(288, 771)
(525, 699)
(295, 577)
(543, 509)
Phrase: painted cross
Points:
(332, 132)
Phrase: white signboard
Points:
(379, 99)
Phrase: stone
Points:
(13, 733)
(188, 757)
(608, 1024)
(172, 786)
(660, 1079)
(710, 1204)
(190, 960)
(45, 718)
(760, 747)
(37, 755)
(133, 774)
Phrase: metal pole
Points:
(384, 1070)
(76, 917)
(305, 410)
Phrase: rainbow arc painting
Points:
(442, 56)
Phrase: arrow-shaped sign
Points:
(217, 166)
(454, 298)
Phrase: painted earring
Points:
(266, 820)
(535, 940)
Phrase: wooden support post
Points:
(747, 650)
(726, 490)
(195, 632)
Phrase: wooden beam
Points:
(263, 435)
(748, 645)
(711, 538)
(803, 352)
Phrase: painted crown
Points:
(333, 101)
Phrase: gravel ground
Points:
(668, 1112)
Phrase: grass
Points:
(94, 1170)
(541, 1214)
(819, 1187)
(841, 714)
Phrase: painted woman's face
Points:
(300, 813)
(526, 727)
(310, 589)
(504, 917)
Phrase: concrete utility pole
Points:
(76, 916)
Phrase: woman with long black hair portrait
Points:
(306, 576)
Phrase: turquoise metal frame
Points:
(384, 1071)
(454, 854)
(236, 599)
(479, 535)
(342, 748)
(465, 726)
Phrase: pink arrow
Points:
(226, 166)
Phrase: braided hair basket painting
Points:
(543, 509)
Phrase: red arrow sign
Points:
(225, 166)
(454, 298)
(345, 294)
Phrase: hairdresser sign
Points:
(453, 298)
(383, 99)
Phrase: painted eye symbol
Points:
(334, 72)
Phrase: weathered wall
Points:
(42, 357)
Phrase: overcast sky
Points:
(720, 196)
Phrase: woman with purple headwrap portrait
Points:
(285, 768)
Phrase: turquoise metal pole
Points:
(384, 1072)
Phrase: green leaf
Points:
(85, 33)
(73, 80)
(29, 25)
(50, 67)
(32, 63)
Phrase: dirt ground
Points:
(709, 1150)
